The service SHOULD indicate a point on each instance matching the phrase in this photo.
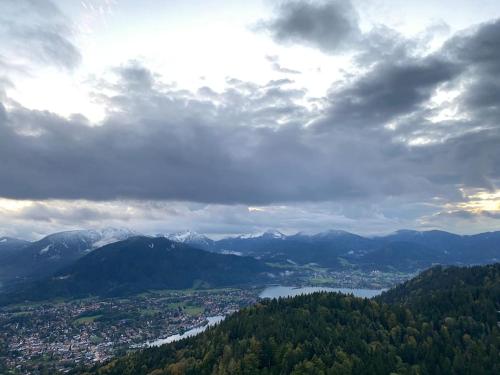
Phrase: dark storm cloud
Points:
(389, 90)
(327, 25)
(478, 52)
(258, 144)
(37, 31)
(247, 144)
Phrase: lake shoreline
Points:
(269, 292)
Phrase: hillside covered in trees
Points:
(444, 321)
(139, 264)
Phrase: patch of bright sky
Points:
(13, 205)
(411, 17)
(479, 201)
(202, 43)
(193, 44)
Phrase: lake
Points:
(290, 291)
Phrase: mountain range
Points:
(405, 250)
(139, 264)
(22, 260)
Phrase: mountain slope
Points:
(440, 289)
(9, 249)
(324, 248)
(405, 250)
(401, 256)
(43, 257)
(329, 333)
(141, 263)
(8, 244)
(191, 238)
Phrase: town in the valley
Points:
(63, 334)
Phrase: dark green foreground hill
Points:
(443, 322)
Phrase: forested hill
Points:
(419, 330)
(139, 264)
(442, 289)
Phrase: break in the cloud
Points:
(395, 143)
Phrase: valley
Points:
(61, 335)
(267, 187)
(137, 291)
(444, 321)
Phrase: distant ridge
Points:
(41, 258)
(142, 263)
(404, 250)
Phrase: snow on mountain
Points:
(45, 249)
(110, 235)
(267, 234)
(190, 238)
(78, 241)
(249, 235)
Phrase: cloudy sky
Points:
(237, 116)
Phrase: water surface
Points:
(290, 291)
(270, 292)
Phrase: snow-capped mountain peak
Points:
(190, 238)
(267, 234)
(110, 235)
(79, 241)
(273, 234)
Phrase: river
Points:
(192, 332)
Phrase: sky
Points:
(228, 117)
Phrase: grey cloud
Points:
(258, 144)
(136, 77)
(478, 46)
(468, 216)
(327, 25)
(37, 31)
(279, 82)
(389, 90)
(478, 53)
(52, 213)
(461, 214)
(398, 84)
(248, 145)
(49, 46)
(333, 27)
(277, 67)
(493, 215)
(394, 79)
